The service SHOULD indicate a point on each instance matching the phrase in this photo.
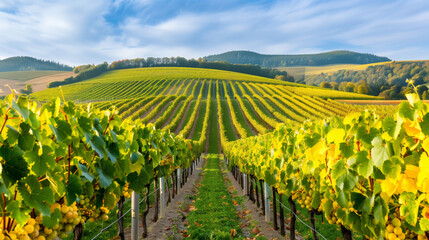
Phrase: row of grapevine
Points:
(166, 114)
(222, 131)
(253, 120)
(237, 124)
(158, 108)
(62, 165)
(134, 107)
(131, 103)
(203, 136)
(187, 128)
(140, 111)
(321, 103)
(367, 174)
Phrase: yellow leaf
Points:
(389, 186)
(425, 145)
(412, 171)
(413, 129)
(350, 117)
(336, 135)
(424, 169)
(407, 185)
(386, 136)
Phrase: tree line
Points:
(90, 71)
(388, 80)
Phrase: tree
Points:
(334, 85)
(280, 77)
(350, 87)
(27, 90)
(325, 85)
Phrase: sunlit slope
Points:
(132, 83)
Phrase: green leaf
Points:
(85, 172)
(365, 165)
(338, 169)
(405, 111)
(389, 125)
(424, 224)
(342, 198)
(35, 196)
(379, 152)
(347, 181)
(18, 212)
(97, 143)
(269, 178)
(12, 135)
(391, 168)
(315, 203)
(138, 181)
(53, 219)
(23, 111)
(346, 150)
(310, 141)
(410, 206)
(15, 167)
(25, 139)
(106, 173)
(40, 165)
(155, 156)
(84, 123)
(425, 124)
(74, 188)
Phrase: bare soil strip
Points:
(160, 112)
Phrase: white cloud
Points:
(76, 32)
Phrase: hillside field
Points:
(38, 79)
(186, 100)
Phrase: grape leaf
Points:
(18, 212)
(74, 188)
(53, 219)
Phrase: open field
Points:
(38, 79)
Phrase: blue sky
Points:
(80, 31)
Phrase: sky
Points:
(80, 31)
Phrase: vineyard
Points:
(363, 167)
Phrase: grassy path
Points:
(215, 215)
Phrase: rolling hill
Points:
(206, 105)
(30, 64)
(275, 61)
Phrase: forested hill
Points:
(30, 64)
(319, 59)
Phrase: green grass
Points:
(229, 128)
(27, 75)
(200, 121)
(213, 129)
(215, 215)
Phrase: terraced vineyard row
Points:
(182, 101)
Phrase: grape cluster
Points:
(395, 230)
(304, 197)
(34, 228)
(126, 192)
(30, 230)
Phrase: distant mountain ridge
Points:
(319, 59)
(30, 64)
